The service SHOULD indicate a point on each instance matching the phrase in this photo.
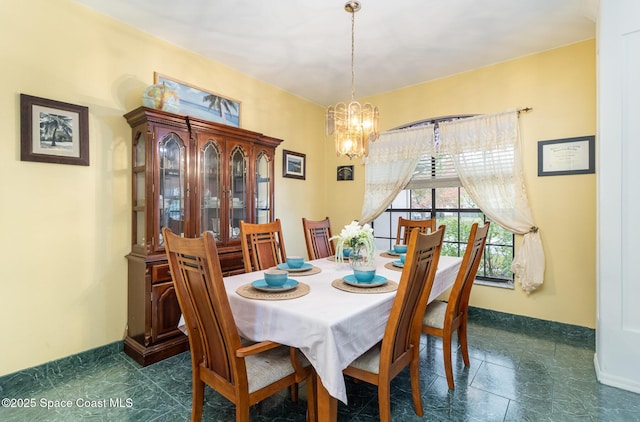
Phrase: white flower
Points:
(353, 235)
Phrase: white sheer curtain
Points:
(486, 154)
(390, 165)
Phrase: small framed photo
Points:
(345, 173)
(294, 165)
(53, 131)
(559, 157)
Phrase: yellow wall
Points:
(560, 87)
(67, 228)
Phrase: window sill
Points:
(501, 285)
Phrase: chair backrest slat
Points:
(405, 227)
(213, 336)
(262, 245)
(316, 236)
(404, 325)
(461, 290)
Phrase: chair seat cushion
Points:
(369, 361)
(270, 366)
(434, 315)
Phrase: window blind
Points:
(434, 172)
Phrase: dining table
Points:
(330, 325)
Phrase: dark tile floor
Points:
(521, 370)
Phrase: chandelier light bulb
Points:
(355, 125)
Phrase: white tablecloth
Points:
(330, 326)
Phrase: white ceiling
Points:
(304, 46)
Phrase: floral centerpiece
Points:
(359, 239)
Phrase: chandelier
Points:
(355, 124)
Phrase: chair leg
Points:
(293, 392)
(242, 412)
(197, 400)
(384, 401)
(312, 402)
(415, 385)
(446, 351)
(462, 338)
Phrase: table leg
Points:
(327, 405)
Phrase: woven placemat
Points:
(249, 292)
(388, 255)
(312, 271)
(333, 258)
(389, 265)
(389, 286)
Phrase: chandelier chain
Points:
(353, 43)
(353, 125)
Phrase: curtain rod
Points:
(436, 120)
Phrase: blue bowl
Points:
(295, 261)
(364, 276)
(346, 252)
(400, 248)
(275, 278)
(403, 257)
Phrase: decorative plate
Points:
(392, 252)
(398, 263)
(378, 280)
(263, 286)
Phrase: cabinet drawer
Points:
(160, 273)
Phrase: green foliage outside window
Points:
(498, 252)
(456, 210)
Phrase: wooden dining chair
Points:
(243, 375)
(442, 319)
(400, 344)
(262, 245)
(317, 235)
(405, 227)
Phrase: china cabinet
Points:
(190, 175)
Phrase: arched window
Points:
(435, 191)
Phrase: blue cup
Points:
(295, 261)
(400, 248)
(403, 257)
(364, 276)
(275, 278)
(346, 252)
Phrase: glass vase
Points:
(359, 258)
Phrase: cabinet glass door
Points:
(139, 185)
(210, 188)
(263, 188)
(171, 185)
(237, 191)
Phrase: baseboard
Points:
(58, 365)
(533, 326)
(614, 381)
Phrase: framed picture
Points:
(53, 131)
(203, 104)
(567, 156)
(345, 173)
(294, 164)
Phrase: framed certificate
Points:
(566, 156)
